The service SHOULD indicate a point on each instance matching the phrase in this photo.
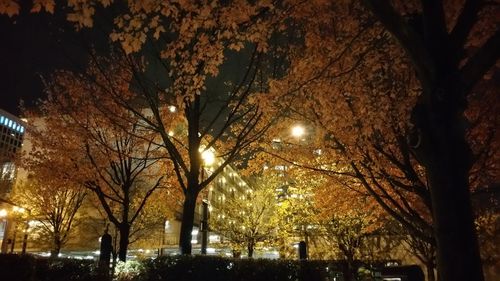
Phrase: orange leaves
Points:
(9, 7)
(82, 13)
(47, 5)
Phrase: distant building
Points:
(227, 185)
(12, 131)
(11, 139)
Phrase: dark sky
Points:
(26, 52)
(33, 45)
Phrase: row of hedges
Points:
(29, 268)
(176, 268)
(197, 268)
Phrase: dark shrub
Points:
(197, 268)
(17, 267)
(65, 270)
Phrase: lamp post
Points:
(10, 218)
(26, 232)
(298, 132)
(18, 211)
(208, 159)
(3, 215)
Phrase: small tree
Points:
(248, 219)
(54, 204)
(95, 144)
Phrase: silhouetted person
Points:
(302, 250)
(105, 253)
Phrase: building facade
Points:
(12, 131)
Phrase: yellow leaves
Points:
(9, 7)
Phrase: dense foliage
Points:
(29, 268)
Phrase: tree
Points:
(194, 39)
(123, 186)
(349, 230)
(55, 205)
(437, 53)
(109, 154)
(248, 219)
(425, 253)
(344, 51)
(355, 225)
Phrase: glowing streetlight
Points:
(298, 131)
(208, 157)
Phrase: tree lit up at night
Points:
(363, 131)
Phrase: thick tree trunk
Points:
(446, 156)
(124, 241)
(350, 270)
(187, 223)
(250, 247)
(56, 249)
(349, 256)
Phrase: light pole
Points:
(298, 132)
(6, 226)
(10, 220)
(17, 211)
(208, 159)
(26, 231)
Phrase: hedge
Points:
(197, 268)
(188, 268)
(28, 268)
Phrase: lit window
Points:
(1, 119)
(22, 129)
(279, 168)
(8, 170)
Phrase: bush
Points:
(29, 268)
(65, 270)
(188, 268)
(17, 268)
(195, 268)
(128, 271)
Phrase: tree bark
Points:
(187, 223)
(446, 156)
(56, 249)
(443, 149)
(124, 241)
(250, 247)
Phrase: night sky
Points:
(34, 45)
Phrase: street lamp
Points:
(208, 159)
(298, 131)
(11, 219)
